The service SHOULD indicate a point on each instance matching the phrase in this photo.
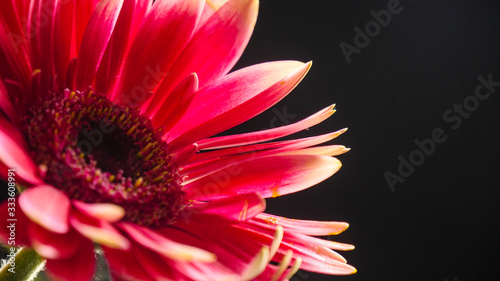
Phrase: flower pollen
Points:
(100, 152)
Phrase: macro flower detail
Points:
(110, 119)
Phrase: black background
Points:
(441, 222)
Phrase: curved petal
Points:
(163, 34)
(174, 106)
(214, 48)
(125, 264)
(266, 135)
(160, 244)
(46, 206)
(268, 176)
(308, 227)
(236, 98)
(98, 231)
(79, 267)
(95, 40)
(6, 103)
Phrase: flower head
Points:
(108, 115)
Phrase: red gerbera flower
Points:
(108, 112)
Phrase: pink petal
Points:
(288, 147)
(214, 48)
(163, 34)
(95, 40)
(15, 64)
(294, 238)
(308, 227)
(238, 208)
(62, 35)
(79, 267)
(39, 29)
(46, 206)
(6, 103)
(19, 221)
(99, 231)
(266, 135)
(125, 264)
(176, 104)
(155, 265)
(52, 245)
(83, 13)
(236, 98)
(268, 176)
(104, 211)
(129, 21)
(162, 245)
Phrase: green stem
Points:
(23, 266)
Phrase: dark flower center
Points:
(100, 152)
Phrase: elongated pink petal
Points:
(125, 264)
(236, 98)
(129, 20)
(314, 241)
(214, 48)
(46, 206)
(52, 245)
(173, 250)
(79, 267)
(15, 63)
(283, 148)
(266, 135)
(95, 40)
(13, 220)
(62, 35)
(164, 33)
(155, 265)
(39, 28)
(308, 227)
(172, 108)
(6, 104)
(238, 208)
(104, 211)
(11, 15)
(268, 176)
(98, 231)
(83, 13)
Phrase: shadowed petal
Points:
(79, 267)
(14, 156)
